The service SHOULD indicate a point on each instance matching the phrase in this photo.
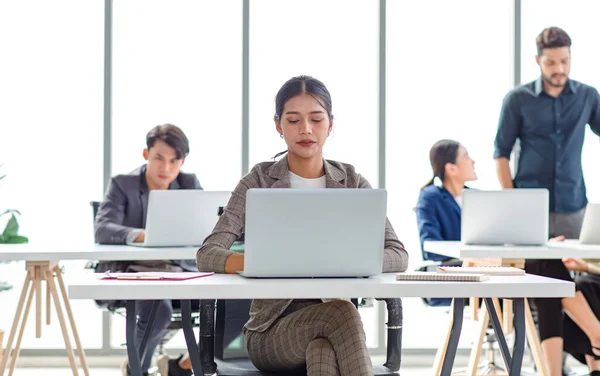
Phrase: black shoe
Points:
(175, 370)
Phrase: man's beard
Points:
(548, 80)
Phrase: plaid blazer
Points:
(215, 250)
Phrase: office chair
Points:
(220, 318)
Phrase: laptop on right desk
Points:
(503, 217)
(590, 229)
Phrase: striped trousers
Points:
(326, 338)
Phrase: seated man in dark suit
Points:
(121, 219)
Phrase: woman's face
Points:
(464, 168)
(305, 126)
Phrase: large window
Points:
(51, 141)
(179, 62)
(575, 19)
(335, 41)
(447, 72)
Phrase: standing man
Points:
(549, 117)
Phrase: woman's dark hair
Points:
(552, 37)
(302, 85)
(172, 136)
(442, 152)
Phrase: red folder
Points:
(154, 276)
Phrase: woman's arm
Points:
(395, 257)
(214, 255)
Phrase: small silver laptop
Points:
(314, 232)
(590, 229)
(510, 216)
(181, 217)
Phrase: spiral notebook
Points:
(437, 276)
(491, 270)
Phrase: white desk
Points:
(221, 286)
(553, 250)
(90, 251)
(42, 265)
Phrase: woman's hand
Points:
(575, 264)
(234, 263)
(560, 238)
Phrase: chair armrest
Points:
(207, 336)
(394, 333)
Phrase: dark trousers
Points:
(551, 320)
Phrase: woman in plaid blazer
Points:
(286, 335)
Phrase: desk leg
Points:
(63, 290)
(499, 334)
(48, 304)
(61, 320)
(17, 350)
(190, 339)
(484, 320)
(514, 362)
(519, 329)
(534, 342)
(132, 354)
(38, 302)
(148, 331)
(16, 320)
(457, 320)
(441, 351)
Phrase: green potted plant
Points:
(10, 234)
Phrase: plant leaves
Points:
(17, 239)
(12, 227)
(10, 211)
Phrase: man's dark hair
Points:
(172, 136)
(552, 37)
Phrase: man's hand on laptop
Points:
(560, 238)
(140, 238)
(234, 263)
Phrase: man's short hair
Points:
(552, 37)
(172, 136)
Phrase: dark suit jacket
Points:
(438, 218)
(215, 250)
(126, 203)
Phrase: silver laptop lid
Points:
(510, 216)
(182, 217)
(314, 232)
(590, 229)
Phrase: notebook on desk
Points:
(437, 276)
(490, 270)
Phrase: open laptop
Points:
(181, 217)
(510, 216)
(590, 229)
(314, 232)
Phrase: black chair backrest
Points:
(95, 205)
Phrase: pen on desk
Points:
(144, 277)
